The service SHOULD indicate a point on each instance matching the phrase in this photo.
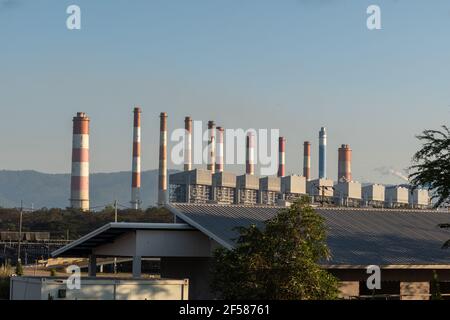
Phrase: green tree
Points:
(279, 261)
(431, 164)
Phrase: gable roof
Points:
(355, 236)
(107, 233)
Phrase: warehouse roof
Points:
(355, 236)
(108, 233)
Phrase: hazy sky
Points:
(293, 65)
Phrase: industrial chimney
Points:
(211, 146)
(219, 163)
(188, 144)
(323, 153)
(307, 160)
(250, 154)
(281, 156)
(344, 163)
(162, 183)
(136, 162)
(79, 190)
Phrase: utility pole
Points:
(115, 210)
(20, 232)
(115, 220)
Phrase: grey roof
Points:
(84, 245)
(355, 236)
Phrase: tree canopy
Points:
(431, 164)
(279, 261)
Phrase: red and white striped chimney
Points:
(281, 156)
(250, 154)
(211, 146)
(188, 144)
(162, 178)
(219, 163)
(345, 163)
(307, 160)
(79, 190)
(136, 162)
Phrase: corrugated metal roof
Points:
(355, 236)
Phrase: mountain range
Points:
(39, 190)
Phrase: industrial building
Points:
(209, 204)
(357, 238)
(212, 184)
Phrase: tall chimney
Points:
(219, 163)
(211, 146)
(307, 160)
(136, 164)
(250, 154)
(281, 156)
(79, 189)
(323, 153)
(162, 183)
(344, 163)
(188, 144)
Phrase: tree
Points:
(279, 261)
(431, 164)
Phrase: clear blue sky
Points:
(293, 65)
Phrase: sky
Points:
(292, 65)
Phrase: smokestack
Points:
(162, 183)
(250, 154)
(344, 163)
(307, 160)
(136, 164)
(211, 146)
(219, 164)
(281, 156)
(323, 153)
(188, 144)
(79, 190)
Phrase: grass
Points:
(5, 273)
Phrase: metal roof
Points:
(106, 234)
(355, 236)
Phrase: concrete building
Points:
(193, 186)
(373, 195)
(397, 196)
(269, 190)
(348, 193)
(357, 238)
(247, 189)
(419, 198)
(224, 187)
(293, 187)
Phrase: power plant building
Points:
(293, 187)
(373, 194)
(397, 196)
(269, 189)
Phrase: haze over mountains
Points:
(53, 190)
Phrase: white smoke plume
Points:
(386, 171)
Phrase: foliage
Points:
(59, 221)
(5, 275)
(279, 261)
(431, 167)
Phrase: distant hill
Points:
(53, 190)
